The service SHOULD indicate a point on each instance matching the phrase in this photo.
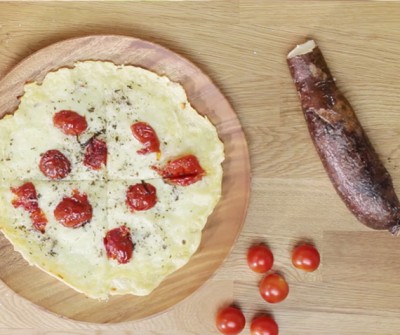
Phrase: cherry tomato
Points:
(74, 211)
(118, 244)
(230, 321)
(146, 135)
(39, 220)
(26, 198)
(140, 197)
(259, 258)
(264, 325)
(70, 122)
(306, 257)
(95, 154)
(54, 164)
(274, 288)
(181, 171)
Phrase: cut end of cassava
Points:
(302, 49)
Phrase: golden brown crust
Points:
(351, 162)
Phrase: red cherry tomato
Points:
(26, 198)
(54, 164)
(118, 244)
(140, 197)
(74, 211)
(146, 135)
(230, 321)
(39, 220)
(259, 258)
(306, 257)
(274, 288)
(181, 171)
(95, 154)
(70, 122)
(264, 325)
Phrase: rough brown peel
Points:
(351, 162)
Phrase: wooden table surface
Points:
(242, 46)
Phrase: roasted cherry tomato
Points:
(140, 197)
(274, 288)
(230, 321)
(95, 154)
(259, 258)
(74, 211)
(26, 198)
(118, 244)
(146, 135)
(39, 220)
(181, 171)
(70, 122)
(264, 325)
(306, 257)
(54, 164)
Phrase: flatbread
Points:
(111, 98)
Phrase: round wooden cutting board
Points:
(224, 224)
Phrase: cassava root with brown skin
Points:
(350, 161)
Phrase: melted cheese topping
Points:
(76, 256)
(111, 98)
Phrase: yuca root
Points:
(351, 162)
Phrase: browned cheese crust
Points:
(351, 162)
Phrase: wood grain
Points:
(242, 46)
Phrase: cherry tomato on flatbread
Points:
(54, 164)
(182, 171)
(74, 211)
(146, 135)
(70, 122)
(27, 199)
(264, 325)
(260, 258)
(274, 288)
(95, 154)
(39, 220)
(141, 196)
(306, 257)
(118, 244)
(230, 321)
